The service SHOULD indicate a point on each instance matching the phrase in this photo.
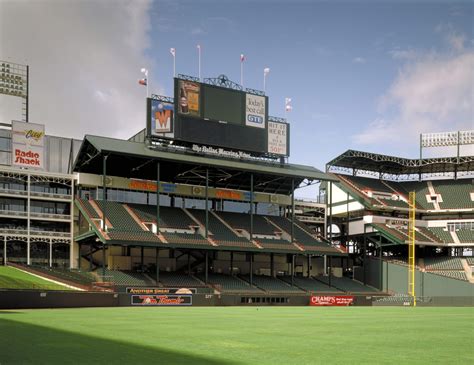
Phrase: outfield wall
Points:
(395, 279)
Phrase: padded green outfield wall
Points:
(395, 279)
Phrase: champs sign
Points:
(28, 145)
(331, 300)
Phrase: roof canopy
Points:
(400, 166)
(137, 160)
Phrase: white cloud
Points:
(360, 60)
(85, 59)
(433, 93)
(403, 54)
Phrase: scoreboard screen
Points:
(223, 105)
(217, 116)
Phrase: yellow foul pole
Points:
(411, 247)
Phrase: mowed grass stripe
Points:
(238, 335)
(12, 278)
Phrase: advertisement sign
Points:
(189, 98)
(155, 291)
(161, 117)
(255, 111)
(278, 138)
(331, 300)
(162, 300)
(28, 145)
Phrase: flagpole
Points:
(199, 61)
(241, 72)
(147, 82)
(264, 77)
(174, 65)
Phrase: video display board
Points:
(219, 117)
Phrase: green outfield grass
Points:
(12, 278)
(236, 335)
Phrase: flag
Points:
(266, 70)
(288, 106)
(173, 51)
(142, 82)
(242, 57)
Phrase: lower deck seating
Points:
(346, 284)
(73, 276)
(460, 275)
(228, 284)
(127, 278)
(443, 263)
(179, 280)
(271, 284)
(310, 284)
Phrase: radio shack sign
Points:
(28, 145)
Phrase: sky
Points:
(369, 75)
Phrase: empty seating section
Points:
(346, 284)
(271, 284)
(124, 278)
(455, 193)
(426, 232)
(300, 235)
(219, 232)
(465, 235)
(185, 239)
(460, 275)
(400, 236)
(124, 227)
(169, 217)
(443, 263)
(86, 205)
(365, 183)
(227, 283)
(470, 261)
(276, 244)
(310, 284)
(242, 221)
(73, 276)
(395, 203)
(446, 266)
(178, 280)
(442, 233)
(118, 216)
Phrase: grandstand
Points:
(369, 205)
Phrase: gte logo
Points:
(254, 119)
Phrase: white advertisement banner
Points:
(28, 145)
(255, 111)
(277, 138)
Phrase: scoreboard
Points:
(221, 117)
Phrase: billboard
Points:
(162, 300)
(189, 102)
(157, 291)
(28, 145)
(278, 138)
(331, 300)
(218, 118)
(161, 118)
(255, 111)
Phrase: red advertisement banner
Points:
(331, 300)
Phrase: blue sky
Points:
(337, 61)
(363, 75)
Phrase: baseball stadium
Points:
(187, 243)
